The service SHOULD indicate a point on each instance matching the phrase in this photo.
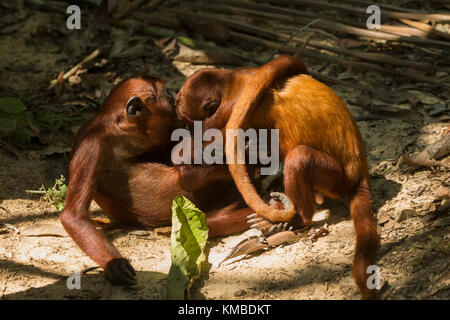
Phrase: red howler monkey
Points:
(319, 142)
(114, 162)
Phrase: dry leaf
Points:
(255, 243)
(44, 230)
(246, 246)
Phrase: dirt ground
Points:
(414, 253)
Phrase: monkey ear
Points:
(210, 106)
(134, 106)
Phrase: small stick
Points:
(72, 71)
(317, 55)
(398, 30)
(292, 36)
(35, 191)
(426, 28)
(324, 24)
(302, 48)
(6, 210)
(334, 26)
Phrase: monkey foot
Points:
(258, 222)
(279, 201)
(266, 227)
(120, 272)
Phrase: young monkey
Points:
(319, 142)
(120, 158)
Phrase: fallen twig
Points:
(6, 210)
(292, 36)
(426, 28)
(387, 13)
(377, 57)
(72, 71)
(35, 191)
(398, 30)
(324, 57)
(294, 17)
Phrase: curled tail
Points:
(366, 238)
(268, 75)
(254, 201)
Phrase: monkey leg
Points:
(308, 172)
(195, 177)
(228, 220)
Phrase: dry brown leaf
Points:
(246, 246)
(255, 243)
(44, 230)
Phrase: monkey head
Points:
(206, 96)
(137, 116)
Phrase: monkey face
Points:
(200, 96)
(140, 114)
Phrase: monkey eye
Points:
(210, 106)
(134, 106)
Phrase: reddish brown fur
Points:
(319, 142)
(118, 161)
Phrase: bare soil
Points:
(414, 254)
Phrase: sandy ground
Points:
(414, 254)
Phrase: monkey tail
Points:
(255, 89)
(254, 201)
(366, 237)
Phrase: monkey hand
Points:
(120, 272)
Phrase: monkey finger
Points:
(255, 220)
(263, 225)
(253, 215)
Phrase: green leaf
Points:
(12, 105)
(188, 243)
(7, 125)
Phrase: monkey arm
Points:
(195, 177)
(76, 221)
